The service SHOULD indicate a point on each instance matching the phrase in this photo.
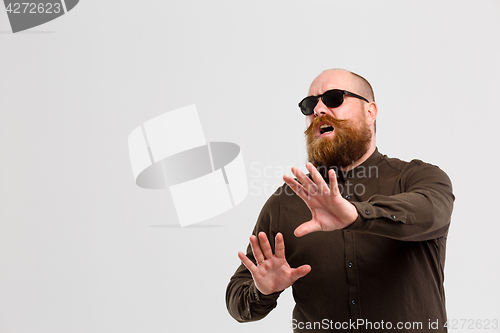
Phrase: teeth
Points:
(325, 128)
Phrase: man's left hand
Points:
(330, 211)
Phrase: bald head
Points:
(345, 80)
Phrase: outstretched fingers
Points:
(279, 246)
(247, 262)
(334, 187)
(317, 178)
(256, 250)
(298, 186)
(302, 186)
(265, 246)
(309, 186)
(295, 186)
(276, 274)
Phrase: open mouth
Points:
(325, 128)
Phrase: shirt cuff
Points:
(257, 296)
(366, 216)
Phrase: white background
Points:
(83, 249)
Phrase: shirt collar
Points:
(374, 159)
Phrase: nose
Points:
(321, 109)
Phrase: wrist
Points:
(352, 216)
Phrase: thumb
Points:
(307, 228)
(301, 272)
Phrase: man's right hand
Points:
(272, 272)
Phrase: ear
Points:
(371, 113)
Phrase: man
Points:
(365, 234)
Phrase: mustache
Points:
(335, 122)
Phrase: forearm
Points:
(420, 214)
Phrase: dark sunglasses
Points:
(331, 98)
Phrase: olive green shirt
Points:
(384, 269)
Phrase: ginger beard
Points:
(349, 142)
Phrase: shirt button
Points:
(256, 297)
(353, 302)
(393, 217)
(349, 176)
(349, 265)
(348, 197)
(367, 212)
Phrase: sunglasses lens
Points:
(307, 105)
(333, 98)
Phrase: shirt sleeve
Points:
(243, 300)
(422, 210)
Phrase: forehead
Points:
(332, 79)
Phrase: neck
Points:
(363, 158)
